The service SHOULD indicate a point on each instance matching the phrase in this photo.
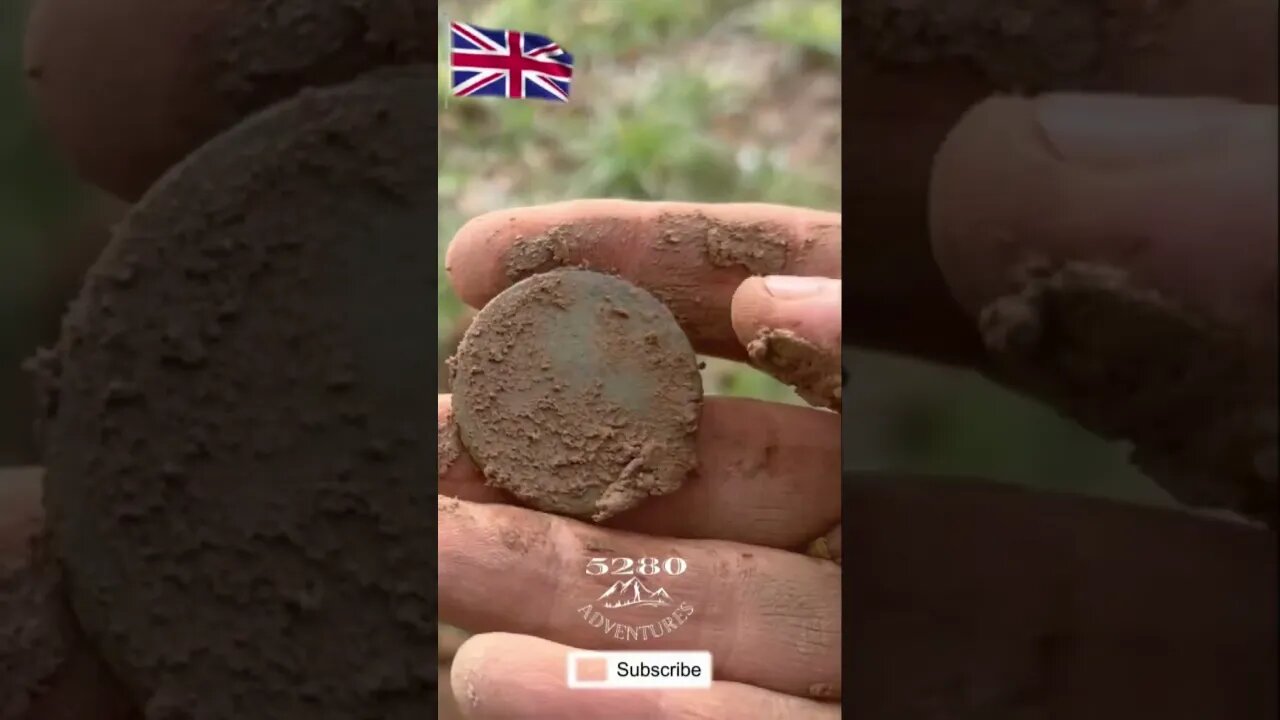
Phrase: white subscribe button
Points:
(639, 669)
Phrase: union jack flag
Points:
(507, 63)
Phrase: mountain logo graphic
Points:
(629, 592)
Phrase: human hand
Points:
(766, 487)
(1063, 202)
(1119, 256)
(1153, 319)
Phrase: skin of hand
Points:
(1177, 172)
(768, 484)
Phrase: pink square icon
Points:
(591, 669)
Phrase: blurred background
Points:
(695, 100)
(51, 228)
(734, 100)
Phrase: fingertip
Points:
(466, 676)
(463, 673)
(1178, 193)
(1091, 233)
(991, 146)
(807, 306)
(749, 309)
(467, 263)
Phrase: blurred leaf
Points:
(810, 24)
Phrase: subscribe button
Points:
(640, 669)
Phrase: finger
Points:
(767, 475)
(1054, 605)
(770, 618)
(690, 256)
(909, 92)
(1120, 256)
(510, 677)
(791, 329)
(51, 671)
(1180, 193)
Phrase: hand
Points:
(767, 484)
(1126, 272)
(1181, 209)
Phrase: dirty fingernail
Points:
(1120, 128)
(791, 287)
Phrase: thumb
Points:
(791, 329)
(1119, 254)
(1178, 193)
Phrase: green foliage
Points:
(646, 121)
(669, 103)
(654, 116)
(812, 25)
(598, 29)
(34, 185)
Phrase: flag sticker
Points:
(484, 62)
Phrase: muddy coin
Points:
(579, 394)
(237, 417)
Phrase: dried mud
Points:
(1197, 401)
(33, 646)
(448, 444)
(270, 49)
(687, 243)
(759, 248)
(1014, 44)
(47, 669)
(238, 414)
(578, 393)
(816, 375)
(828, 547)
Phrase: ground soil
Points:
(237, 414)
(578, 393)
